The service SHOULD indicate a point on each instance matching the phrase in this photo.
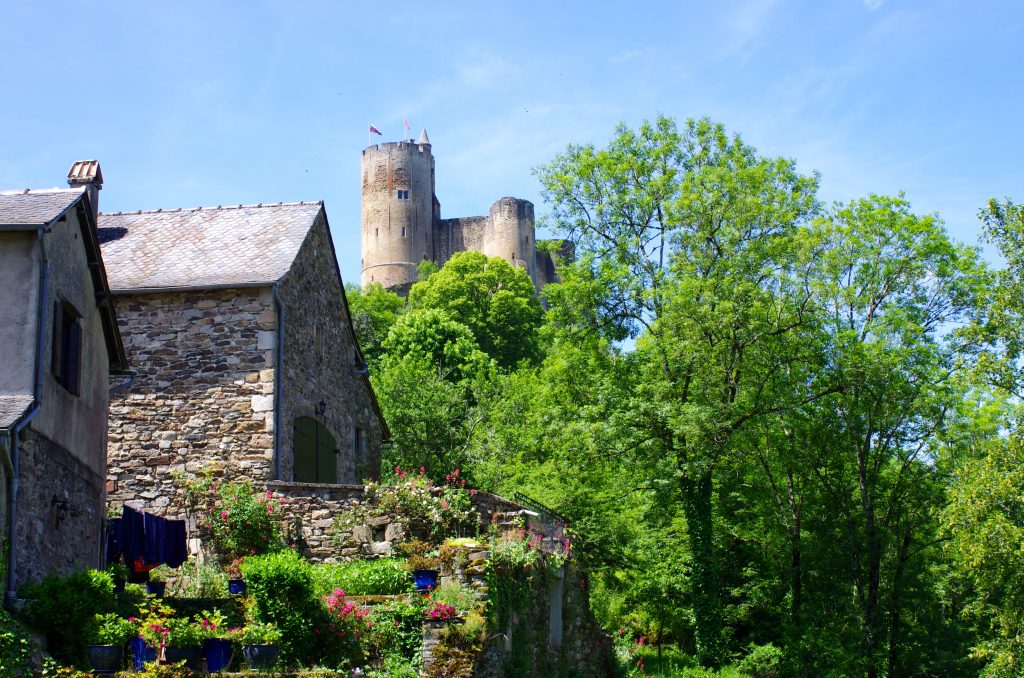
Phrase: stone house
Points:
(237, 325)
(60, 347)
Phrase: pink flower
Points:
(472, 493)
(422, 470)
(223, 515)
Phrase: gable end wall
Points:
(319, 356)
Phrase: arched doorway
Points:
(315, 452)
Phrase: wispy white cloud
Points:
(874, 4)
(745, 22)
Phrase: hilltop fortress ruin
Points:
(402, 224)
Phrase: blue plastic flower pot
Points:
(105, 658)
(424, 580)
(217, 652)
(236, 587)
(141, 653)
(192, 656)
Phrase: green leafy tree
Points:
(496, 301)
(685, 238)
(374, 311)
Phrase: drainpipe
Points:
(130, 379)
(278, 381)
(13, 461)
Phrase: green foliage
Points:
(498, 303)
(112, 629)
(238, 519)
(984, 520)
(184, 633)
(16, 648)
(762, 661)
(281, 586)
(315, 630)
(383, 576)
(63, 607)
(256, 633)
(397, 632)
(459, 596)
(374, 311)
(200, 581)
(432, 337)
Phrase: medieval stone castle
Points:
(402, 224)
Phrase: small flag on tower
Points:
(374, 130)
(406, 124)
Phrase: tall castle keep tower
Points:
(402, 223)
(398, 211)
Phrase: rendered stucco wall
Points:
(19, 291)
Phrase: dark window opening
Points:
(403, 231)
(66, 360)
(315, 452)
(403, 195)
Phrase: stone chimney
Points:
(87, 173)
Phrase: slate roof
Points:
(23, 210)
(12, 407)
(244, 245)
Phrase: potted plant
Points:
(236, 585)
(152, 632)
(217, 644)
(259, 644)
(109, 634)
(184, 641)
(422, 562)
(441, 613)
(157, 584)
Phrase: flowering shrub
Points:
(516, 548)
(238, 519)
(434, 510)
(343, 630)
(440, 612)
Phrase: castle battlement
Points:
(402, 224)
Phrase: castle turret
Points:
(509, 233)
(398, 211)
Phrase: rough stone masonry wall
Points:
(60, 511)
(203, 393)
(320, 360)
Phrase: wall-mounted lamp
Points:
(321, 407)
(60, 510)
(360, 368)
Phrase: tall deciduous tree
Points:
(685, 238)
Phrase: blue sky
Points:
(208, 103)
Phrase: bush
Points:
(281, 586)
(762, 661)
(239, 520)
(63, 608)
(16, 650)
(382, 577)
(200, 581)
(397, 632)
(462, 598)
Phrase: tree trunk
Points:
(895, 622)
(697, 508)
(795, 574)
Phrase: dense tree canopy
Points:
(786, 434)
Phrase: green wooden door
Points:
(315, 452)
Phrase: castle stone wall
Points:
(203, 392)
(510, 233)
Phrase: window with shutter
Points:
(66, 358)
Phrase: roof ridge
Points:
(30, 191)
(213, 209)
